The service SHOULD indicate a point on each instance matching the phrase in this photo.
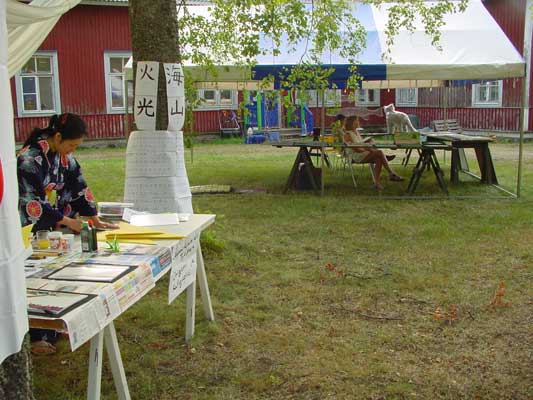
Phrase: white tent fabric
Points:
(473, 46)
(13, 318)
(23, 39)
(29, 25)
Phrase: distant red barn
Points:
(79, 68)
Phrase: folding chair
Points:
(347, 157)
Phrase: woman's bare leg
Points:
(375, 158)
(385, 163)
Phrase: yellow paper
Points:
(127, 231)
(26, 233)
(137, 241)
(143, 235)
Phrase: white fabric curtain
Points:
(28, 27)
(13, 318)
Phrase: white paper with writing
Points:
(175, 82)
(156, 178)
(183, 271)
(145, 104)
(82, 324)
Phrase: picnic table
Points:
(303, 163)
(459, 163)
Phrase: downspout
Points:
(524, 110)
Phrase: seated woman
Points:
(367, 154)
(52, 190)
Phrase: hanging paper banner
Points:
(175, 96)
(145, 106)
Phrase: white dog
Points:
(397, 121)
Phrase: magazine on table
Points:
(48, 303)
(90, 272)
(157, 261)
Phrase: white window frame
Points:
(400, 100)
(333, 98)
(107, 73)
(476, 102)
(217, 104)
(55, 88)
(366, 101)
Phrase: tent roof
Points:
(473, 47)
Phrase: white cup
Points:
(55, 240)
(67, 242)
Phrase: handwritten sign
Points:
(145, 104)
(175, 82)
(183, 272)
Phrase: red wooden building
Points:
(79, 69)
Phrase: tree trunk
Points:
(154, 37)
(16, 381)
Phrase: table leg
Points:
(95, 366)
(294, 170)
(484, 160)
(455, 166)
(439, 174)
(115, 361)
(202, 283)
(308, 166)
(322, 156)
(304, 158)
(417, 173)
(189, 320)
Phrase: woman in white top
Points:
(367, 154)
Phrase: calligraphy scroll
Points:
(175, 82)
(145, 106)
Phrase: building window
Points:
(37, 86)
(217, 99)
(115, 82)
(487, 94)
(313, 99)
(367, 97)
(406, 97)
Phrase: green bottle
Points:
(86, 238)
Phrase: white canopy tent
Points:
(472, 46)
(22, 30)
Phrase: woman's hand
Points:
(101, 224)
(72, 223)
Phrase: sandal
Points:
(396, 178)
(42, 347)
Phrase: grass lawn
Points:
(331, 297)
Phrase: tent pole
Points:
(323, 114)
(524, 109)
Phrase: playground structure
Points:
(269, 119)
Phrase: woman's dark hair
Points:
(71, 126)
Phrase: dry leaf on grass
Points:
(450, 316)
(497, 300)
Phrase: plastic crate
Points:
(255, 139)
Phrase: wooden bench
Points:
(446, 125)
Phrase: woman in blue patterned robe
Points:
(52, 190)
